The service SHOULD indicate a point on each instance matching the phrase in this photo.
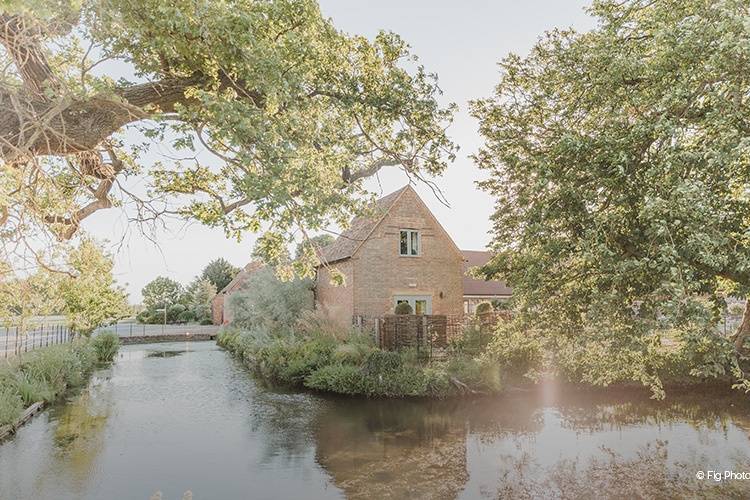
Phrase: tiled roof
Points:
(474, 258)
(241, 276)
(361, 227)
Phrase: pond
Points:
(186, 417)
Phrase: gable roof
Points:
(241, 276)
(359, 230)
(479, 287)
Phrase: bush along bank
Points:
(45, 375)
(352, 365)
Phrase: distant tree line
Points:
(167, 301)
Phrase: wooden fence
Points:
(426, 331)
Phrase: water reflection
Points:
(192, 420)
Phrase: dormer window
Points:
(409, 243)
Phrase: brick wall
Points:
(217, 309)
(380, 272)
(337, 301)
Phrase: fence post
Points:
(378, 339)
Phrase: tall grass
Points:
(46, 374)
(351, 364)
(106, 344)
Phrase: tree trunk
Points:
(743, 331)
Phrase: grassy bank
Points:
(46, 374)
(354, 366)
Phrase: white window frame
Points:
(409, 248)
(412, 300)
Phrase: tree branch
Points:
(21, 38)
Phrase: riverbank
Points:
(355, 367)
(47, 374)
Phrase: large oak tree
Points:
(294, 113)
(620, 161)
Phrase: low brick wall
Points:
(148, 339)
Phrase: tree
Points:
(160, 293)
(313, 245)
(91, 298)
(268, 304)
(219, 272)
(619, 160)
(200, 293)
(277, 99)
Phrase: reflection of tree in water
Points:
(393, 449)
(647, 475)
(408, 448)
(285, 420)
(598, 411)
(79, 435)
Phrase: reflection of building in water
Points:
(398, 450)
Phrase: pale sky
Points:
(461, 41)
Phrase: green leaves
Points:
(619, 163)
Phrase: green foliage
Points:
(516, 350)
(270, 304)
(88, 295)
(403, 308)
(293, 114)
(353, 366)
(379, 362)
(199, 295)
(106, 344)
(618, 158)
(174, 312)
(473, 339)
(484, 308)
(501, 304)
(46, 374)
(11, 405)
(352, 353)
(32, 390)
(91, 298)
(313, 245)
(160, 293)
(219, 272)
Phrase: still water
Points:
(171, 419)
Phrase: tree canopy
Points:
(619, 160)
(87, 294)
(277, 115)
(161, 292)
(219, 272)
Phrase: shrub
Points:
(11, 405)
(342, 379)
(379, 362)
(32, 390)
(207, 321)
(174, 312)
(318, 323)
(45, 374)
(186, 316)
(478, 374)
(351, 353)
(291, 361)
(403, 308)
(353, 367)
(517, 351)
(267, 303)
(473, 339)
(106, 345)
(483, 308)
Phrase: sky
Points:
(461, 41)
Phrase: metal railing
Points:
(15, 341)
(131, 329)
